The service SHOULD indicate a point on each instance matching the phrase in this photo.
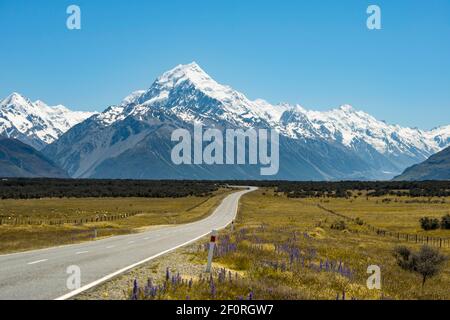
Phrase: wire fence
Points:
(420, 239)
(64, 237)
(17, 221)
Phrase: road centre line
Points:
(36, 262)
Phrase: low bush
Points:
(339, 225)
(445, 222)
(429, 223)
(428, 262)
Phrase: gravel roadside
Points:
(181, 261)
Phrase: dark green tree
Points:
(427, 262)
(445, 222)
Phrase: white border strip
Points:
(114, 274)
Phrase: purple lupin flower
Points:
(134, 295)
(213, 290)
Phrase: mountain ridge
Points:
(186, 95)
(18, 159)
(36, 123)
(437, 167)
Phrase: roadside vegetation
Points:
(289, 248)
(39, 223)
(346, 189)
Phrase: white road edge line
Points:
(112, 275)
(36, 262)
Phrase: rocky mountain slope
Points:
(132, 139)
(21, 160)
(437, 167)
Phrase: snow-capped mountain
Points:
(132, 139)
(357, 130)
(36, 123)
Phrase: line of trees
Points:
(62, 188)
(39, 188)
(343, 189)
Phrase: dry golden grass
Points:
(267, 220)
(356, 249)
(150, 212)
(398, 214)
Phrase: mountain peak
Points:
(193, 74)
(347, 108)
(40, 102)
(15, 98)
(190, 67)
(183, 72)
(36, 123)
(133, 97)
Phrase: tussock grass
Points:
(398, 214)
(285, 248)
(149, 212)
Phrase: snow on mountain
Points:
(344, 125)
(224, 102)
(36, 123)
(132, 97)
(440, 136)
(337, 144)
(349, 126)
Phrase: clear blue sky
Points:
(316, 53)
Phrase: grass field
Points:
(146, 212)
(399, 214)
(286, 249)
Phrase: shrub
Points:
(359, 221)
(445, 222)
(427, 262)
(429, 223)
(339, 225)
(404, 258)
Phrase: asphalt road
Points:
(43, 274)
